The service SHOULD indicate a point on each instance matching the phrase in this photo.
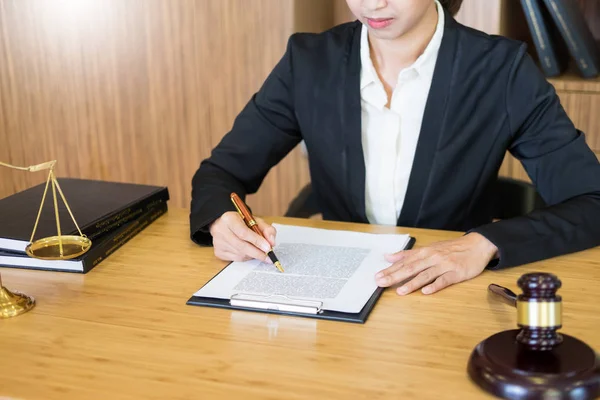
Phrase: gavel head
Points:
(539, 311)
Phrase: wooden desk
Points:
(123, 331)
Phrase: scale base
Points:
(13, 304)
(502, 366)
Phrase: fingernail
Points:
(393, 256)
(266, 247)
(272, 238)
(383, 281)
(402, 290)
(426, 290)
(379, 275)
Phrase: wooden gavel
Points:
(535, 362)
(539, 309)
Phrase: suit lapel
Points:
(431, 127)
(350, 114)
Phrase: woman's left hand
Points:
(439, 265)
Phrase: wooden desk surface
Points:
(123, 331)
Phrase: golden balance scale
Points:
(60, 247)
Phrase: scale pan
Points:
(49, 248)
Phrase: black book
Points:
(98, 207)
(100, 250)
(577, 35)
(550, 48)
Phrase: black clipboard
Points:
(360, 317)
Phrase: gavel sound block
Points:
(536, 362)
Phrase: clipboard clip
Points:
(276, 303)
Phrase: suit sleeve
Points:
(564, 170)
(263, 133)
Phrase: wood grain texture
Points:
(583, 109)
(123, 331)
(135, 91)
(313, 15)
(514, 169)
(479, 14)
(341, 12)
(506, 167)
(484, 15)
(572, 82)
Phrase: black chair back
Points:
(514, 198)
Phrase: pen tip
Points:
(279, 267)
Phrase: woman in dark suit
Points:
(407, 115)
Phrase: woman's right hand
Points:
(234, 241)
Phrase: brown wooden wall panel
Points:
(571, 82)
(584, 109)
(506, 167)
(483, 15)
(514, 169)
(479, 14)
(341, 12)
(137, 90)
(313, 15)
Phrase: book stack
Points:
(560, 34)
(108, 213)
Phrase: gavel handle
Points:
(505, 293)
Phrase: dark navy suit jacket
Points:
(487, 96)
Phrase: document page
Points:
(336, 268)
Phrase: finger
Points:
(246, 234)
(268, 230)
(247, 249)
(443, 281)
(398, 256)
(394, 257)
(417, 254)
(224, 251)
(423, 278)
(403, 273)
(236, 249)
(389, 270)
(231, 249)
(409, 257)
(229, 256)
